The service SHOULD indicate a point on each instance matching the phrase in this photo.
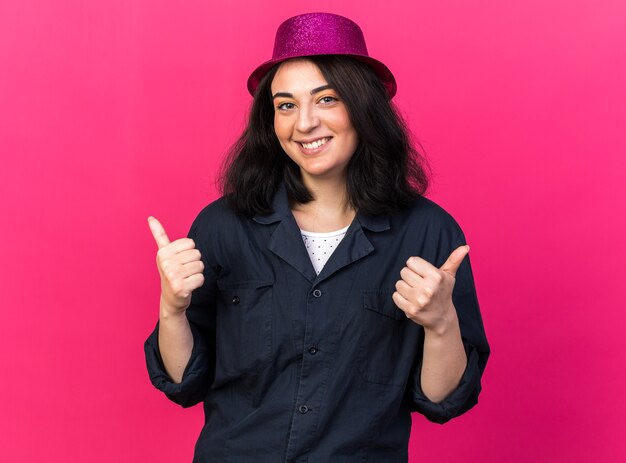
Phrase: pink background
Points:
(112, 111)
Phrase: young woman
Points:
(322, 298)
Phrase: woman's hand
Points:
(424, 292)
(180, 266)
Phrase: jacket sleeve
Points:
(465, 396)
(199, 373)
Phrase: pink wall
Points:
(111, 111)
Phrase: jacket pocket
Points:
(381, 339)
(244, 327)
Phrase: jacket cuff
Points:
(464, 397)
(196, 377)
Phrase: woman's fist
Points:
(424, 292)
(180, 266)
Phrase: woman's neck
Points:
(329, 210)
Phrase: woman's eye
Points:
(285, 106)
(328, 99)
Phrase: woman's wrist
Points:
(167, 312)
(445, 326)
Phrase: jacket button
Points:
(312, 350)
(235, 300)
(317, 293)
(303, 409)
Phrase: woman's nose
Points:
(307, 119)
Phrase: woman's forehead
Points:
(297, 76)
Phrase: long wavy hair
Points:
(384, 175)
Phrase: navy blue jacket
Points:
(298, 367)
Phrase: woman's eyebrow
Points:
(313, 92)
(321, 89)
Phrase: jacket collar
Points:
(375, 223)
(280, 208)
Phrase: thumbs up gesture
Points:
(424, 292)
(180, 266)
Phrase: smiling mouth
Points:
(315, 144)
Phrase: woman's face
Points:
(311, 122)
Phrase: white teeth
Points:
(315, 144)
